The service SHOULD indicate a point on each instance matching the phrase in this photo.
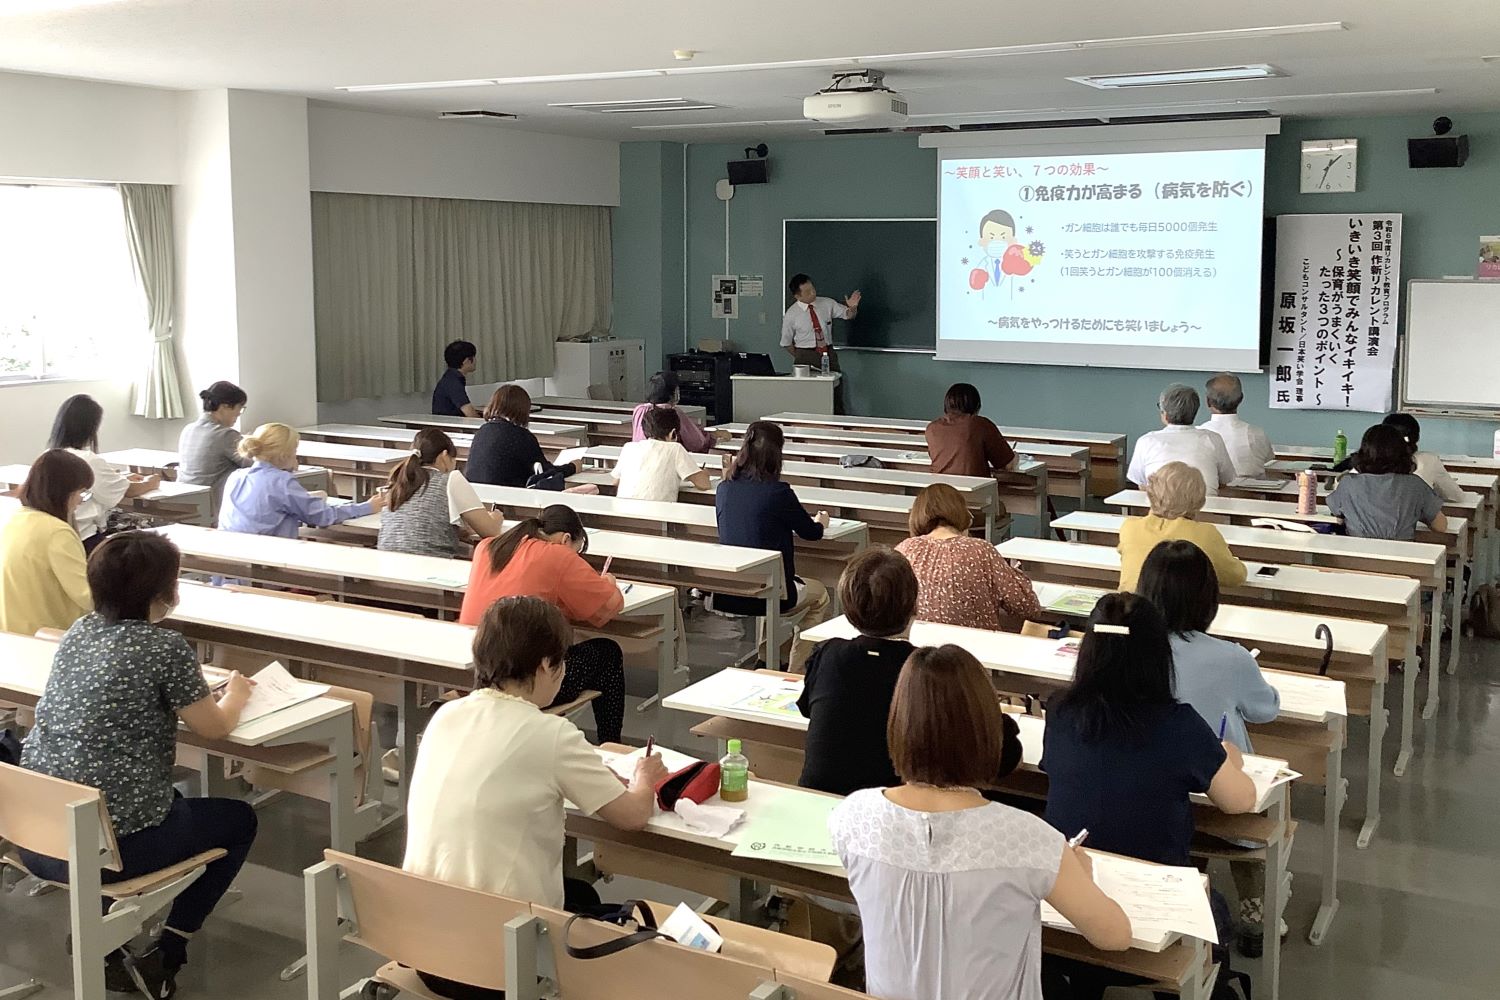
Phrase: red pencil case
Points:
(698, 782)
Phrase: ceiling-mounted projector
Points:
(858, 95)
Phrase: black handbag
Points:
(551, 480)
(623, 915)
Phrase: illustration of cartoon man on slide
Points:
(1005, 255)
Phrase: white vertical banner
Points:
(1333, 315)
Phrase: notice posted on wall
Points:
(726, 301)
(1334, 308)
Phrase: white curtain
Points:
(148, 221)
(395, 279)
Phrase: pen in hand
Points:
(1223, 725)
(1077, 841)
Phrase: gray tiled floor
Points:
(1420, 908)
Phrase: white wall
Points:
(360, 152)
(56, 128)
(273, 254)
(27, 409)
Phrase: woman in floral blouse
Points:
(961, 579)
(108, 719)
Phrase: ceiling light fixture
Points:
(1179, 77)
(370, 88)
(1040, 48)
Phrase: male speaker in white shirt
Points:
(1248, 446)
(807, 328)
(1180, 441)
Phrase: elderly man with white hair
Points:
(1248, 446)
(1180, 441)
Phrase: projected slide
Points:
(1127, 259)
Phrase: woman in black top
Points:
(504, 452)
(757, 510)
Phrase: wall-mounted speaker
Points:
(1437, 151)
(748, 171)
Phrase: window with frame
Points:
(70, 306)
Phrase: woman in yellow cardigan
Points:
(1177, 494)
(43, 574)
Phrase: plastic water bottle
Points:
(1340, 447)
(825, 362)
(734, 775)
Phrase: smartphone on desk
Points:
(1268, 571)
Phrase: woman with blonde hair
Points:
(961, 579)
(1177, 496)
(267, 499)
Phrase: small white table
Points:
(756, 396)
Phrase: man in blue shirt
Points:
(451, 396)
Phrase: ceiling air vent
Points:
(477, 116)
(638, 106)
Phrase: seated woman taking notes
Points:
(208, 448)
(543, 557)
(961, 442)
(76, 429)
(1220, 679)
(266, 499)
(1177, 495)
(663, 393)
(1385, 498)
(656, 467)
(759, 511)
(961, 580)
(949, 885)
(504, 451)
(43, 576)
(846, 697)
(429, 501)
(108, 719)
(487, 792)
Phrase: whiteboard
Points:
(1450, 357)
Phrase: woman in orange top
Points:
(543, 557)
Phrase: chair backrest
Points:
(812, 989)
(34, 814)
(648, 971)
(394, 917)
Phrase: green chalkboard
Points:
(893, 262)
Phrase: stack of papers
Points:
(792, 829)
(778, 698)
(1268, 774)
(1160, 900)
(1079, 603)
(1252, 483)
(1310, 695)
(624, 764)
(276, 690)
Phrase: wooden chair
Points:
(499, 943)
(61, 819)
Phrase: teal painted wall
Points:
(648, 257)
(1445, 211)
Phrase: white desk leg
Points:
(341, 786)
(1408, 698)
(1274, 897)
(1333, 801)
(772, 653)
(1455, 620)
(1372, 782)
(1434, 655)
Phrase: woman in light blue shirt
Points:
(1220, 679)
(267, 499)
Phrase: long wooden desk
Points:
(601, 428)
(677, 851)
(26, 663)
(723, 699)
(170, 501)
(1421, 561)
(1360, 660)
(698, 414)
(672, 562)
(552, 437)
(1023, 490)
(981, 494)
(1067, 465)
(823, 559)
(360, 574)
(1237, 510)
(1106, 451)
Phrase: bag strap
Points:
(625, 912)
